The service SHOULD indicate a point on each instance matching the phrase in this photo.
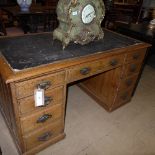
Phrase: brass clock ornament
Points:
(79, 21)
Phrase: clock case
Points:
(71, 28)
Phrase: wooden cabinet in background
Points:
(127, 10)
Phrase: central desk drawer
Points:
(52, 97)
(42, 136)
(41, 119)
(91, 68)
(26, 88)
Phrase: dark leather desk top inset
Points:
(28, 51)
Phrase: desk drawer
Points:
(136, 56)
(123, 97)
(52, 97)
(132, 69)
(42, 136)
(41, 119)
(128, 82)
(94, 67)
(26, 88)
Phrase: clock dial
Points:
(19, 1)
(88, 14)
(29, 2)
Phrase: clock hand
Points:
(89, 14)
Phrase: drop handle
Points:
(113, 62)
(136, 56)
(44, 85)
(85, 71)
(48, 99)
(44, 118)
(44, 137)
(133, 68)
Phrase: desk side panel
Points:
(9, 113)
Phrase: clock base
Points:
(78, 35)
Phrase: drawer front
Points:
(136, 56)
(128, 82)
(132, 69)
(41, 119)
(42, 136)
(52, 97)
(123, 97)
(92, 68)
(26, 88)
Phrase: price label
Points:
(39, 97)
(74, 13)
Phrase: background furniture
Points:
(39, 17)
(2, 27)
(107, 69)
(121, 11)
(127, 10)
(42, 16)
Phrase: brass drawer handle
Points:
(44, 118)
(133, 68)
(136, 56)
(44, 137)
(113, 62)
(44, 85)
(129, 82)
(48, 99)
(85, 71)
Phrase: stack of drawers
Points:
(39, 125)
(131, 70)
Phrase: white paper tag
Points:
(39, 97)
(74, 13)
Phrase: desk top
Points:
(28, 51)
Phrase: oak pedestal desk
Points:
(107, 70)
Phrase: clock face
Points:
(88, 14)
(19, 1)
(28, 2)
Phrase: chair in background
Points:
(2, 26)
(110, 14)
(7, 26)
(52, 21)
(120, 13)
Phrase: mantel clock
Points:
(79, 21)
